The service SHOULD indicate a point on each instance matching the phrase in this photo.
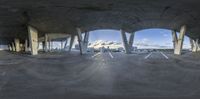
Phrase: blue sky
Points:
(143, 38)
(149, 38)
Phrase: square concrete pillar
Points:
(33, 40)
(26, 45)
(17, 45)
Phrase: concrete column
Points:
(127, 44)
(175, 39)
(17, 45)
(46, 42)
(197, 44)
(33, 40)
(10, 47)
(65, 46)
(71, 42)
(43, 46)
(26, 45)
(61, 45)
(83, 42)
(194, 45)
(52, 45)
(131, 40)
(179, 45)
(13, 46)
(38, 45)
(49, 41)
(80, 40)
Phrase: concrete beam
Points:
(33, 40)
(179, 45)
(83, 42)
(127, 44)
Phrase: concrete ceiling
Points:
(63, 16)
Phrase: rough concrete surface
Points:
(72, 76)
(64, 16)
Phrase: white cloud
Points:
(146, 43)
(165, 34)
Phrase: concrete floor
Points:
(103, 76)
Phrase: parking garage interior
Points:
(46, 50)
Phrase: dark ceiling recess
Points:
(94, 8)
(26, 16)
(164, 10)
